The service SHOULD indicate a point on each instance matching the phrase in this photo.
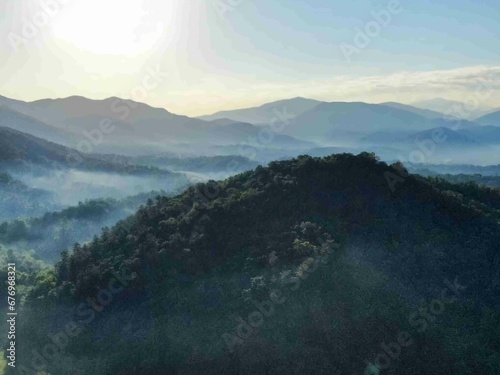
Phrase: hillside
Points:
(26, 124)
(51, 176)
(136, 128)
(468, 179)
(418, 111)
(58, 111)
(490, 119)
(18, 199)
(449, 138)
(51, 233)
(193, 264)
(486, 135)
(340, 121)
(16, 146)
(24, 150)
(264, 114)
(455, 169)
(214, 164)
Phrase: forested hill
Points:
(253, 208)
(374, 221)
(18, 149)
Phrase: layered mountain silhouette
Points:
(24, 151)
(267, 113)
(490, 119)
(356, 246)
(27, 124)
(442, 136)
(101, 124)
(351, 121)
(278, 129)
(418, 111)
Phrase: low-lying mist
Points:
(70, 186)
(54, 232)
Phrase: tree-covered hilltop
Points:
(348, 250)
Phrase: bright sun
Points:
(114, 26)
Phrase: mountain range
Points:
(272, 131)
(116, 124)
(280, 110)
(356, 246)
(452, 107)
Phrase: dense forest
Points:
(330, 265)
(56, 231)
(18, 199)
(228, 187)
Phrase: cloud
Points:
(405, 87)
(455, 84)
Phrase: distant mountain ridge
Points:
(23, 150)
(266, 113)
(78, 121)
(418, 111)
(27, 124)
(490, 119)
(339, 120)
(451, 107)
(279, 129)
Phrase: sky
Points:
(197, 57)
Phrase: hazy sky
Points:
(222, 54)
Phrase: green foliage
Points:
(28, 267)
(190, 253)
(57, 231)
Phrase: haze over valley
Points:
(249, 187)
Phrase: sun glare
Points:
(114, 26)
